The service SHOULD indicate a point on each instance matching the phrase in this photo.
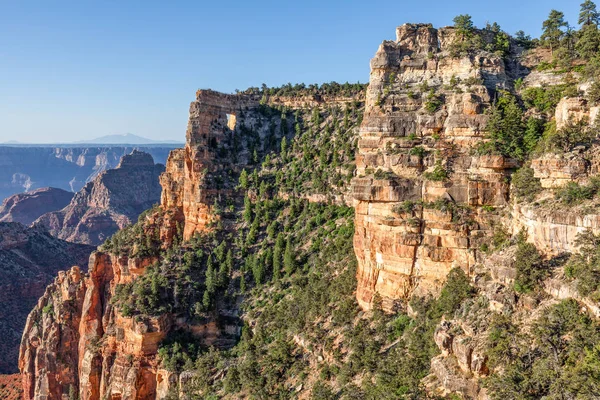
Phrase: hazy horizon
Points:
(97, 140)
(77, 71)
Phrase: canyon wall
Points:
(421, 98)
(192, 180)
(113, 200)
(23, 169)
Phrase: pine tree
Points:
(255, 179)
(553, 29)
(289, 259)
(229, 262)
(277, 252)
(220, 251)
(222, 276)
(506, 127)
(210, 277)
(206, 300)
(243, 283)
(588, 44)
(316, 116)
(588, 14)
(247, 209)
(258, 271)
(244, 179)
(464, 25)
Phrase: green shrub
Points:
(571, 135)
(545, 99)
(573, 193)
(418, 151)
(525, 185)
(434, 102)
(593, 93)
(457, 289)
(406, 207)
(584, 266)
(531, 270)
(438, 174)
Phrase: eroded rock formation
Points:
(108, 354)
(113, 200)
(421, 98)
(191, 182)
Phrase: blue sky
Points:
(74, 70)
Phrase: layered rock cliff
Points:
(425, 112)
(27, 207)
(193, 179)
(29, 260)
(113, 200)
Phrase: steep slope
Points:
(113, 200)
(475, 266)
(27, 207)
(26, 168)
(29, 260)
(146, 286)
(425, 113)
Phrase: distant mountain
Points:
(126, 138)
(11, 142)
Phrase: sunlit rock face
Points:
(424, 115)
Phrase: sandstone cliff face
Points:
(23, 169)
(419, 96)
(29, 260)
(193, 176)
(100, 353)
(27, 207)
(113, 200)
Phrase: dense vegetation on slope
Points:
(289, 261)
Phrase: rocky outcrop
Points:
(115, 356)
(554, 231)
(113, 200)
(23, 169)
(192, 179)
(102, 353)
(574, 110)
(27, 207)
(460, 365)
(419, 97)
(29, 260)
